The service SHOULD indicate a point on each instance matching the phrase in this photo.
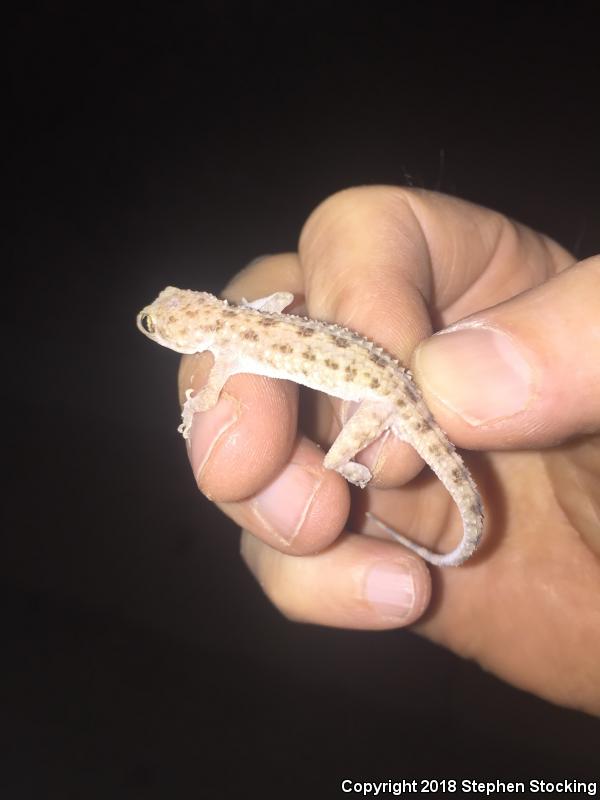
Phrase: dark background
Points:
(173, 145)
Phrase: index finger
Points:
(397, 263)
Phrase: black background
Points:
(173, 144)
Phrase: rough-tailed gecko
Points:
(255, 337)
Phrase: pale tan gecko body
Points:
(257, 338)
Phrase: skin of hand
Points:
(513, 376)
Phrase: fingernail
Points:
(390, 588)
(208, 428)
(477, 372)
(285, 503)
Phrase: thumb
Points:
(523, 373)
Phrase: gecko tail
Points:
(454, 558)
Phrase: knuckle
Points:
(348, 206)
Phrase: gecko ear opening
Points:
(147, 323)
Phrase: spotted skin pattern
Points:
(255, 337)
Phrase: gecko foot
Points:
(355, 473)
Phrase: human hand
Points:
(517, 380)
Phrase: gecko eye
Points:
(147, 323)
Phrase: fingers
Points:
(524, 373)
(246, 456)
(302, 510)
(385, 262)
(393, 263)
(359, 582)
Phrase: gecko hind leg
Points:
(368, 422)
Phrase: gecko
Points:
(256, 337)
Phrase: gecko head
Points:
(179, 319)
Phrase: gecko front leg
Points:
(207, 397)
(225, 366)
(273, 303)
